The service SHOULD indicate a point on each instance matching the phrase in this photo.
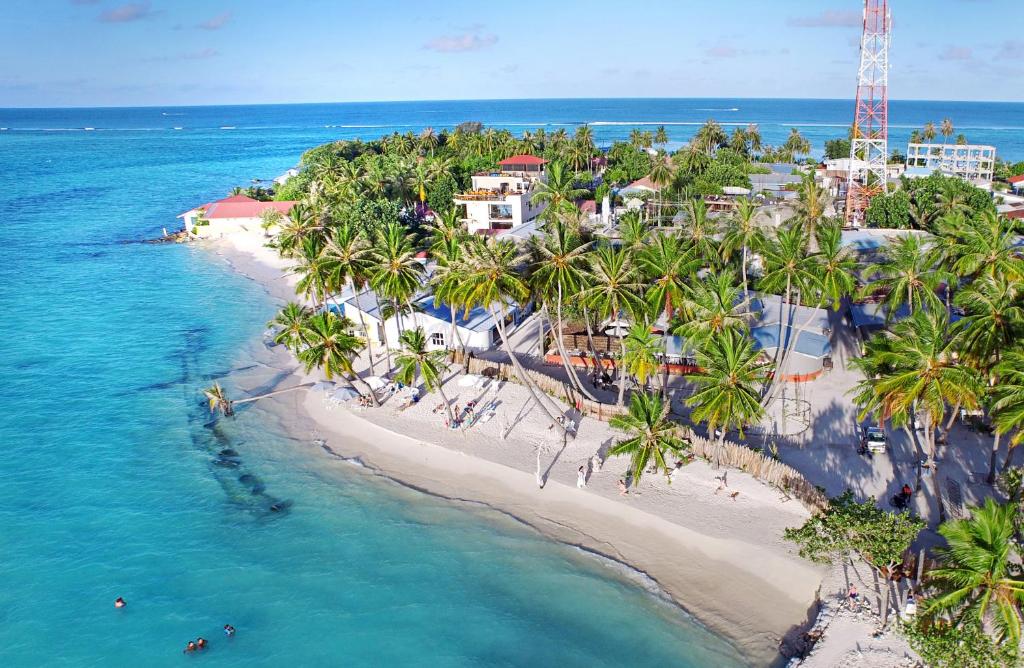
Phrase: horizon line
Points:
(497, 99)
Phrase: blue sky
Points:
(159, 52)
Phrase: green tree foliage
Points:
(850, 527)
(627, 163)
(891, 211)
(894, 210)
(945, 646)
(720, 175)
(441, 192)
(837, 148)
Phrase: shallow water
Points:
(113, 485)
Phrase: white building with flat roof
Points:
(971, 162)
(502, 199)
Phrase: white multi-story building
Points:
(970, 162)
(501, 199)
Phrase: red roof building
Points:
(239, 206)
(523, 160)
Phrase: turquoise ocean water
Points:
(110, 478)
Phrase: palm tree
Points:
(296, 228)
(928, 133)
(416, 361)
(669, 268)
(662, 175)
(270, 218)
(913, 370)
(1008, 399)
(330, 345)
(558, 192)
(398, 273)
(742, 233)
(218, 399)
(946, 129)
(709, 137)
(660, 136)
(701, 231)
(836, 265)
(753, 135)
(788, 266)
(614, 291)
(290, 323)
(907, 275)
(728, 384)
(633, 230)
(979, 582)
(351, 264)
(652, 437)
(712, 307)
(559, 270)
(796, 143)
(987, 245)
(643, 348)
(428, 140)
(810, 205)
(951, 200)
(314, 270)
(492, 280)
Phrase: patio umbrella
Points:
(344, 394)
(469, 380)
(375, 382)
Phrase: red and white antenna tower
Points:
(869, 145)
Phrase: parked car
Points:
(873, 439)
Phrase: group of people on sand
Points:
(196, 645)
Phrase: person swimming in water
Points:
(229, 630)
(201, 643)
(190, 647)
(119, 602)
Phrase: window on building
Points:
(437, 339)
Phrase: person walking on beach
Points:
(581, 477)
(622, 488)
(853, 595)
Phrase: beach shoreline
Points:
(752, 591)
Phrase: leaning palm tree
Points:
(614, 291)
(218, 399)
(492, 281)
(415, 361)
(728, 384)
(742, 233)
(979, 583)
(351, 264)
(290, 323)
(558, 270)
(652, 437)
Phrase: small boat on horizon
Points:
(227, 127)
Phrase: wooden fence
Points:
(772, 471)
(733, 455)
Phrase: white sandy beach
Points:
(715, 548)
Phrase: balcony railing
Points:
(487, 195)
